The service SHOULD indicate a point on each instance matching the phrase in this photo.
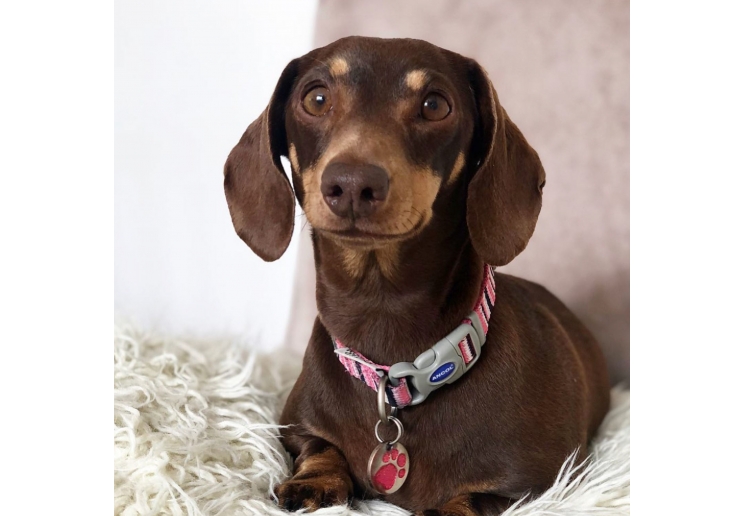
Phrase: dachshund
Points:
(416, 185)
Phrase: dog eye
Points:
(435, 107)
(317, 101)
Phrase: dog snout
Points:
(354, 190)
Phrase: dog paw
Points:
(477, 504)
(444, 512)
(313, 493)
(393, 468)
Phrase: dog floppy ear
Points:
(505, 194)
(258, 192)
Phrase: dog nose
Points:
(354, 190)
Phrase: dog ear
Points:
(258, 192)
(505, 194)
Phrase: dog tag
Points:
(388, 467)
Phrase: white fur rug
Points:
(195, 433)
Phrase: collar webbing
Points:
(443, 363)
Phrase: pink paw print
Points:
(394, 467)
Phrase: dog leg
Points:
(321, 478)
(473, 504)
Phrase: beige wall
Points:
(561, 69)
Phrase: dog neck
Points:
(393, 303)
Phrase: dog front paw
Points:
(440, 512)
(313, 493)
(477, 504)
(450, 510)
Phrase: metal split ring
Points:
(381, 411)
(398, 424)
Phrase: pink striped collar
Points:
(443, 363)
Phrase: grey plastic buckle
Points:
(441, 364)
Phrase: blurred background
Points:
(191, 76)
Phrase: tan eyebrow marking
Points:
(339, 67)
(457, 168)
(416, 79)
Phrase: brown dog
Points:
(412, 176)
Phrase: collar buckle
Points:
(441, 364)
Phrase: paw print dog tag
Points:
(388, 467)
(389, 463)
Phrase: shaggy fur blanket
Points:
(195, 433)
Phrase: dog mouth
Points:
(355, 235)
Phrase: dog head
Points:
(378, 133)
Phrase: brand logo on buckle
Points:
(442, 373)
